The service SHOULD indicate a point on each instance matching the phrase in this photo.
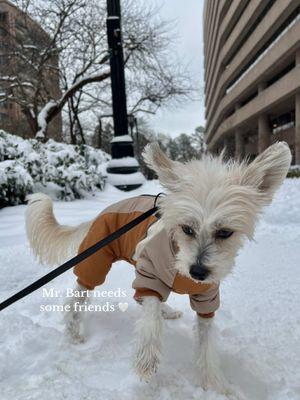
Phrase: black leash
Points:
(80, 257)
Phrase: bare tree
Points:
(77, 29)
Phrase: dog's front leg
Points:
(211, 374)
(208, 361)
(148, 332)
(72, 317)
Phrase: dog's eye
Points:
(223, 234)
(188, 230)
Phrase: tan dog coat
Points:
(155, 273)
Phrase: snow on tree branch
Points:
(75, 54)
(52, 108)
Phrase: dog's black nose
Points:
(199, 272)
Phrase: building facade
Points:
(21, 41)
(252, 75)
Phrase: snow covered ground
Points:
(258, 322)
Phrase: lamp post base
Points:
(123, 170)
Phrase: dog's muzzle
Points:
(199, 272)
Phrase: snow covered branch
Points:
(75, 54)
(52, 108)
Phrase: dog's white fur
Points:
(73, 318)
(148, 334)
(208, 195)
(51, 242)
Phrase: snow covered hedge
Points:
(67, 171)
(294, 171)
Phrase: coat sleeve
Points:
(147, 282)
(206, 303)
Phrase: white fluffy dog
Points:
(217, 203)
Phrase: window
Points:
(3, 117)
(283, 122)
(3, 16)
(281, 74)
(3, 31)
(4, 104)
(3, 59)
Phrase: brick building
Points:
(252, 74)
(17, 28)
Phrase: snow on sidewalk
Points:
(258, 322)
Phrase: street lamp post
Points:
(123, 169)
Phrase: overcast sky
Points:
(188, 14)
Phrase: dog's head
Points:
(212, 205)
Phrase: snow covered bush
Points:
(15, 183)
(294, 171)
(68, 171)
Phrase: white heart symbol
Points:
(123, 306)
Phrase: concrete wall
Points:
(252, 73)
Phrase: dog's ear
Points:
(166, 169)
(267, 172)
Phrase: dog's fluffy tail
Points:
(51, 242)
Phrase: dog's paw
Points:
(168, 312)
(145, 366)
(219, 384)
(234, 394)
(216, 382)
(77, 338)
